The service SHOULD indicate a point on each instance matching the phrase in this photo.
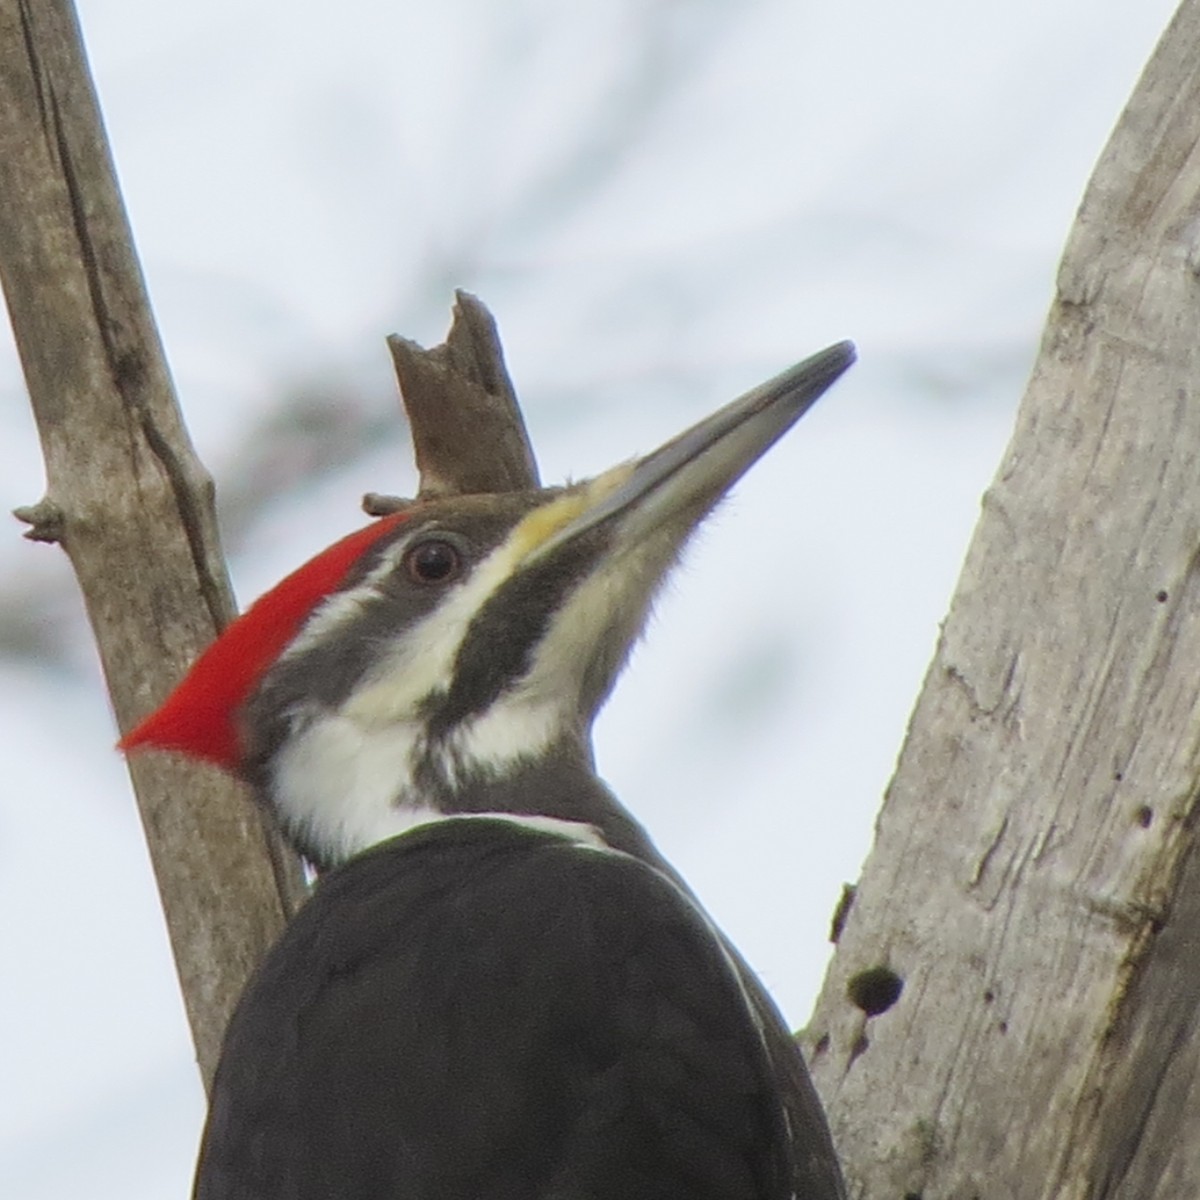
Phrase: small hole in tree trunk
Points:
(875, 990)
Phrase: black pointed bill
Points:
(686, 476)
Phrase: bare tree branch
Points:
(1034, 885)
(127, 498)
(468, 433)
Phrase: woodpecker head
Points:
(443, 659)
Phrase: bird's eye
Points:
(433, 561)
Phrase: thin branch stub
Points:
(376, 504)
(45, 521)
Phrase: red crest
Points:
(199, 718)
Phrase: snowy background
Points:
(664, 202)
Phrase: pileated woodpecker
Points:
(499, 989)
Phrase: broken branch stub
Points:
(467, 430)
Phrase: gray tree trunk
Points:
(1034, 882)
(126, 497)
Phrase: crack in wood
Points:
(985, 858)
(37, 74)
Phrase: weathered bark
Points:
(126, 496)
(1034, 881)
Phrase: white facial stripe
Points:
(340, 608)
(609, 593)
(336, 785)
(422, 661)
(515, 727)
(524, 720)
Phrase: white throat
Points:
(340, 785)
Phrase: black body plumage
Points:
(477, 1009)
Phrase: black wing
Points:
(476, 1010)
